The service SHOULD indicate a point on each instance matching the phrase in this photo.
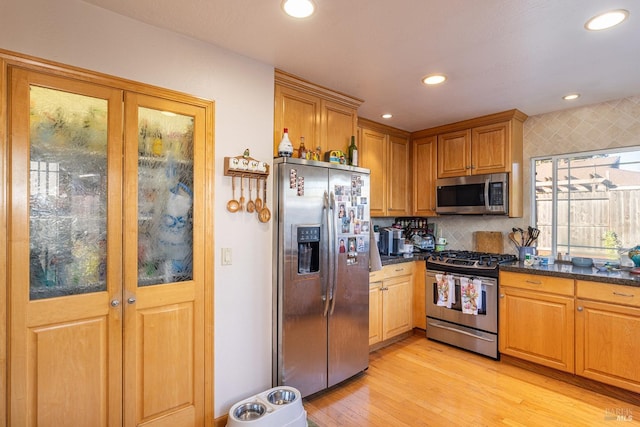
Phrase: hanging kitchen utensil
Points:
(241, 194)
(251, 206)
(265, 213)
(233, 205)
(258, 199)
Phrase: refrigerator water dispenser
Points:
(308, 249)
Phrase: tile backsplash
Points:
(592, 127)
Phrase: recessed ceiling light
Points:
(387, 116)
(434, 79)
(298, 8)
(606, 20)
(571, 96)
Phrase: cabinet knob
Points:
(131, 300)
(501, 295)
(115, 303)
(580, 308)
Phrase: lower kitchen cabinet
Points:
(375, 306)
(607, 331)
(536, 321)
(390, 302)
(419, 302)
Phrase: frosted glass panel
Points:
(165, 197)
(67, 193)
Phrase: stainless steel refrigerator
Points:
(320, 274)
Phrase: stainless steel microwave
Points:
(473, 195)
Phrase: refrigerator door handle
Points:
(333, 252)
(326, 283)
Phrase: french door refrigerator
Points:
(320, 274)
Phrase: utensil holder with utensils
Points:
(255, 171)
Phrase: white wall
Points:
(76, 33)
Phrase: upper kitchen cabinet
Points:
(424, 175)
(483, 145)
(386, 152)
(488, 144)
(324, 117)
(454, 150)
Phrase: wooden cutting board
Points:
(489, 241)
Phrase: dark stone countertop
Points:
(567, 270)
(389, 260)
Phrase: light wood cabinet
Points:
(325, 118)
(607, 331)
(487, 144)
(373, 155)
(454, 153)
(386, 152)
(424, 162)
(375, 306)
(536, 320)
(419, 302)
(475, 151)
(104, 328)
(391, 299)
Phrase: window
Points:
(587, 204)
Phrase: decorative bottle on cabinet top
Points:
(302, 151)
(353, 152)
(285, 149)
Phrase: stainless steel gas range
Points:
(447, 321)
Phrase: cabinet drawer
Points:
(376, 276)
(397, 270)
(617, 294)
(535, 282)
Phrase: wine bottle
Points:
(353, 152)
(285, 149)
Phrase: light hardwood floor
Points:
(417, 382)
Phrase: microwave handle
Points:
(487, 182)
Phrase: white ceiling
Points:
(497, 54)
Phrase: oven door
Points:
(487, 317)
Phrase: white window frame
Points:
(554, 210)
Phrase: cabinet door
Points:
(373, 153)
(339, 123)
(454, 154)
(419, 302)
(300, 112)
(375, 312)
(397, 306)
(399, 177)
(65, 252)
(607, 347)
(164, 185)
(490, 149)
(424, 176)
(537, 327)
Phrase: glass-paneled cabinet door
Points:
(65, 249)
(164, 212)
(165, 196)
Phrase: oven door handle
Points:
(435, 325)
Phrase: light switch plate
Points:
(226, 256)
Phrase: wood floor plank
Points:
(418, 382)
